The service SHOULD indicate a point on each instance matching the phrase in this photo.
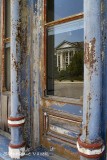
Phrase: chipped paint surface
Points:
(93, 73)
(92, 104)
(32, 71)
(16, 106)
(89, 55)
(15, 60)
(36, 77)
(26, 69)
(29, 69)
(62, 131)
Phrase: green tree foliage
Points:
(75, 69)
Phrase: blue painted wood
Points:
(69, 108)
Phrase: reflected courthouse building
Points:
(64, 53)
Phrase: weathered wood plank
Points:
(4, 113)
(9, 109)
(9, 106)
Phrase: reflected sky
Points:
(71, 31)
(63, 8)
(75, 36)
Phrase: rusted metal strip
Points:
(16, 118)
(17, 146)
(92, 145)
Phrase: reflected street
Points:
(68, 89)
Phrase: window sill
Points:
(65, 100)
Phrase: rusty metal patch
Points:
(89, 55)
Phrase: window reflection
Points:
(65, 60)
(57, 9)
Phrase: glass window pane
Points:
(7, 68)
(65, 52)
(7, 18)
(57, 9)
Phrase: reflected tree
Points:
(74, 71)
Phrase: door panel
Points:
(60, 127)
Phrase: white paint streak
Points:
(16, 153)
(60, 130)
(90, 151)
(16, 122)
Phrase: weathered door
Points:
(61, 106)
(5, 65)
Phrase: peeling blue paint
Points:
(71, 109)
(93, 60)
